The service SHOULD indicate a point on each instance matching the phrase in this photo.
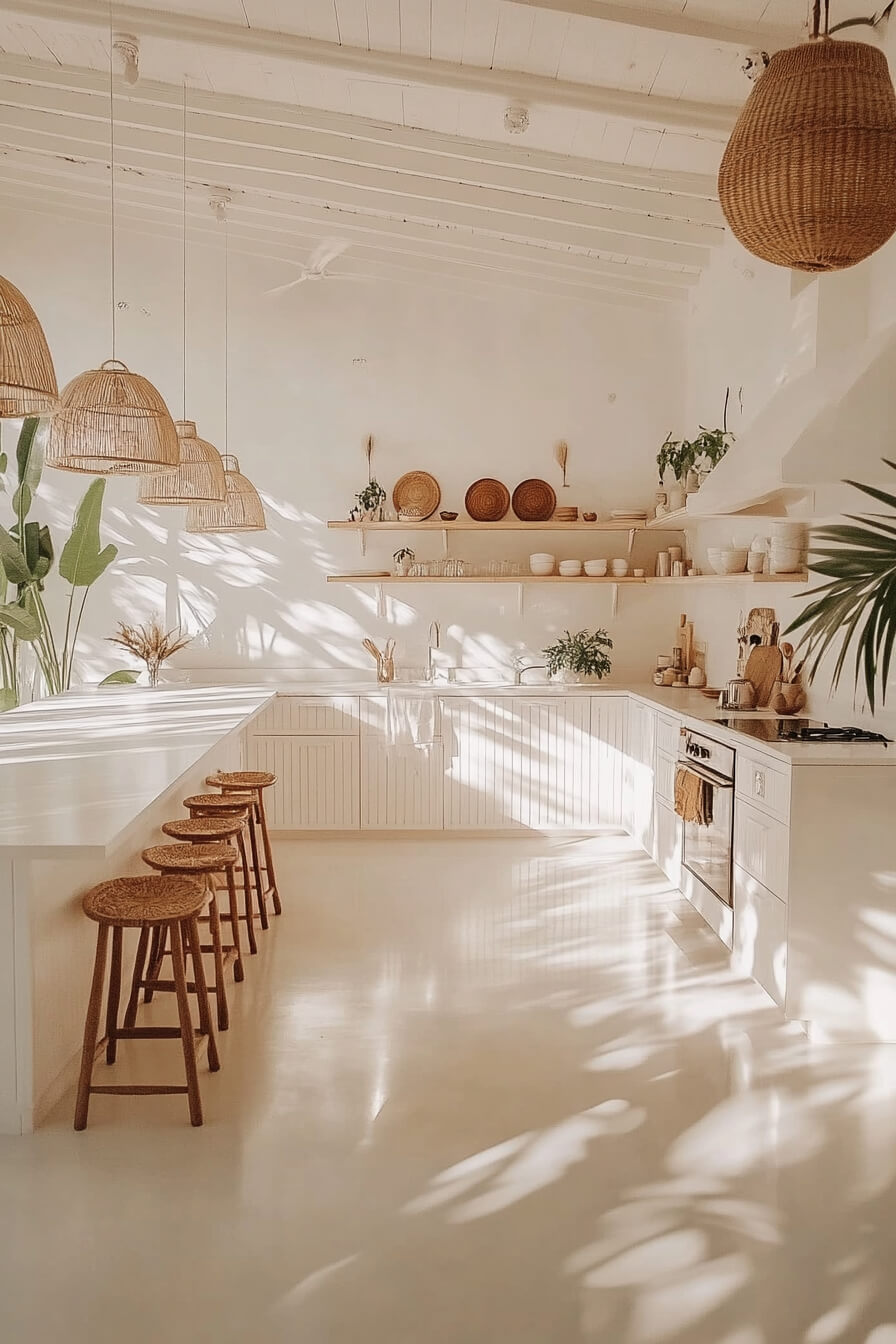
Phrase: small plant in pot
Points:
(572, 658)
(371, 499)
(402, 560)
(691, 461)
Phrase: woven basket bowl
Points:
(487, 500)
(808, 179)
(418, 492)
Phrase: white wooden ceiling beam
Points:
(343, 136)
(294, 238)
(674, 23)
(319, 154)
(518, 216)
(536, 90)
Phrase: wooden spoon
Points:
(787, 654)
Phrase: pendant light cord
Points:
(112, 162)
(184, 258)
(226, 334)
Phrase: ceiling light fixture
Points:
(111, 421)
(27, 377)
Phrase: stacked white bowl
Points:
(619, 568)
(571, 569)
(595, 569)
(541, 564)
(728, 559)
(787, 553)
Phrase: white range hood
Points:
(834, 422)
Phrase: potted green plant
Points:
(403, 560)
(370, 503)
(857, 606)
(572, 658)
(694, 458)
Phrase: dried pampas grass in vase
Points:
(151, 643)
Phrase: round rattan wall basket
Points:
(808, 179)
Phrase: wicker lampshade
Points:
(112, 422)
(197, 478)
(27, 377)
(808, 179)
(241, 511)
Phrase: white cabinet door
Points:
(667, 842)
(760, 934)
(608, 717)
(762, 847)
(518, 762)
(401, 786)
(639, 782)
(318, 781)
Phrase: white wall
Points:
(455, 386)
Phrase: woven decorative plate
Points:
(534, 501)
(487, 500)
(417, 490)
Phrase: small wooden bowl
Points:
(589, 517)
(447, 516)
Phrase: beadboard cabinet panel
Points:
(307, 715)
(318, 781)
(608, 723)
(667, 842)
(523, 763)
(401, 787)
(639, 774)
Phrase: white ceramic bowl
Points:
(570, 569)
(541, 557)
(732, 560)
(619, 568)
(595, 569)
(541, 568)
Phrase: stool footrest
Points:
(146, 1090)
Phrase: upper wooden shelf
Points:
(564, 579)
(505, 525)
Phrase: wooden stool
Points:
(146, 903)
(207, 830)
(254, 782)
(199, 861)
(220, 805)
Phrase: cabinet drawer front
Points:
(760, 935)
(665, 777)
(667, 734)
(762, 847)
(317, 785)
(308, 716)
(763, 784)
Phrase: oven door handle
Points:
(717, 781)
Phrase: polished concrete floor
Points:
(473, 1093)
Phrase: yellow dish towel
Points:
(693, 797)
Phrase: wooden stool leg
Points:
(156, 958)
(130, 1015)
(268, 855)
(191, 932)
(247, 893)
(256, 868)
(186, 1024)
(91, 1027)
(214, 926)
(238, 972)
(112, 1002)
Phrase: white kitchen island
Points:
(87, 779)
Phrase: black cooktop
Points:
(799, 730)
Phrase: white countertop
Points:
(81, 768)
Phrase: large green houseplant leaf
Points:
(856, 608)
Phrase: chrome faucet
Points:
(523, 663)
(435, 642)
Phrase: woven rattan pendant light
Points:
(27, 377)
(199, 474)
(241, 509)
(808, 179)
(111, 421)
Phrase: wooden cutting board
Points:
(763, 669)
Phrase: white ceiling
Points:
(382, 121)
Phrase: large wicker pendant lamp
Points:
(241, 509)
(27, 377)
(111, 421)
(199, 474)
(808, 179)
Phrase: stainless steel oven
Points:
(704, 800)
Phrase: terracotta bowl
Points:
(447, 517)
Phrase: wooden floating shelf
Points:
(505, 525)
(560, 578)
(671, 522)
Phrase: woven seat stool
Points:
(222, 829)
(203, 861)
(254, 782)
(171, 903)
(231, 804)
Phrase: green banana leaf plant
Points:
(26, 562)
(856, 608)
